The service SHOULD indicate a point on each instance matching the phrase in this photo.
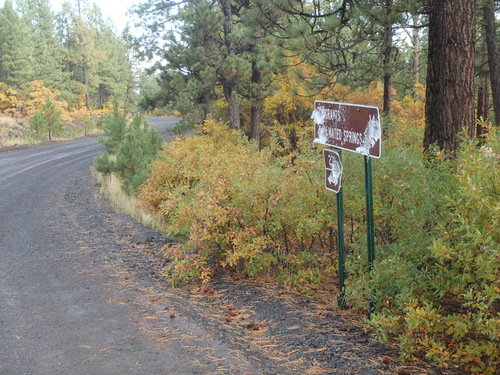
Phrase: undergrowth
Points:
(436, 277)
(243, 209)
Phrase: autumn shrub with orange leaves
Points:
(436, 280)
(243, 209)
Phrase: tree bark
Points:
(208, 104)
(493, 55)
(230, 86)
(86, 83)
(256, 94)
(230, 93)
(449, 106)
(387, 92)
(482, 106)
(256, 112)
(416, 50)
(386, 62)
(483, 91)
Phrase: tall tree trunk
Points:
(230, 93)
(387, 60)
(230, 86)
(256, 99)
(449, 105)
(387, 93)
(84, 61)
(86, 83)
(101, 96)
(483, 104)
(493, 56)
(416, 50)
(483, 91)
(208, 104)
(256, 111)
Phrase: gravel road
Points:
(82, 293)
(57, 311)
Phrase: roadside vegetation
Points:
(242, 188)
(245, 192)
(129, 148)
(111, 187)
(44, 118)
(266, 214)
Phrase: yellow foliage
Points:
(373, 95)
(37, 96)
(108, 107)
(413, 110)
(235, 205)
(289, 105)
(79, 109)
(9, 100)
(409, 120)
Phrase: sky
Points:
(115, 9)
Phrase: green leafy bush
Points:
(436, 279)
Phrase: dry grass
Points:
(13, 132)
(124, 203)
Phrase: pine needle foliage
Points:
(47, 121)
(129, 148)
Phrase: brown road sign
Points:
(333, 170)
(350, 127)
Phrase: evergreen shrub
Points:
(129, 149)
(47, 121)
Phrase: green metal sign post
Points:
(340, 244)
(353, 128)
(370, 227)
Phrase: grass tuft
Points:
(124, 203)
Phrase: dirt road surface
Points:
(81, 292)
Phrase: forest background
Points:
(69, 64)
(246, 193)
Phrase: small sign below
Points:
(333, 170)
(350, 127)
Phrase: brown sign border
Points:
(350, 127)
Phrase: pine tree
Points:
(114, 67)
(493, 54)
(450, 79)
(228, 45)
(115, 127)
(47, 120)
(192, 57)
(47, 53)
(138, 148)
(15, 48)
(133, 148)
